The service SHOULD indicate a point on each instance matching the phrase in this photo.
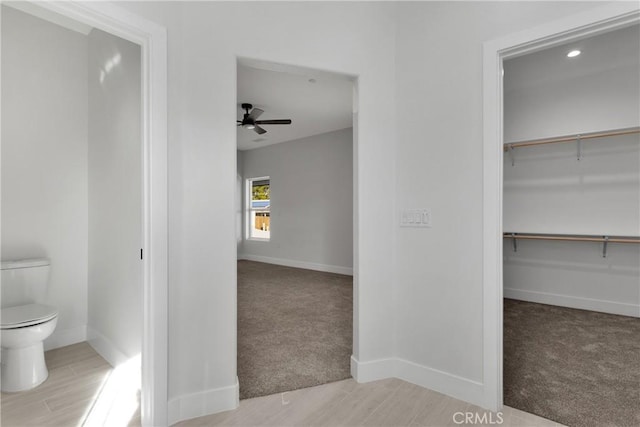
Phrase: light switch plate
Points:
(418, 218)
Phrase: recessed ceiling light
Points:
(573, 53)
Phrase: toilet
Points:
(25, 323)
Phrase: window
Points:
(259, 208)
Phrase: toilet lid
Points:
(26, 315)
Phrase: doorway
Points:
(150, 248)
(596, 21)
(571, 209)
(295, 222)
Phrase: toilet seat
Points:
(26, 315)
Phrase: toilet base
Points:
(23, 368)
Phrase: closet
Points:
(571, 225)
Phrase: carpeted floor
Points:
(294, 328)
(575, 367)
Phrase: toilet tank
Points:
(24, 282)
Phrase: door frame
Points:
(588, 23)
(152, 38)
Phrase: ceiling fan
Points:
(249, 120)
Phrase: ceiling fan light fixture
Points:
(249, 121)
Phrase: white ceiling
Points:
(615, 49)
(313, 108)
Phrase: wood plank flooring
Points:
(390, 402)
(76, 376)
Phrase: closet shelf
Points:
(572, 238)
(572, 138)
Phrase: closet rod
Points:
(573, 138)
(575, 238)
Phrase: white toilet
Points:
(25, 323)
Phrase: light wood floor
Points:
(76, 376)
(389, 402)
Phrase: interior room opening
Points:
(295, 222)
(571, 222)
(72, 218)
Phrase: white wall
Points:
(115, 196)
(549, 191)
(44, 160)
(439, 315)
(311, 202)
(418, 292)
(204, 42)
(547, 94)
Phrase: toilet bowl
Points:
(25, 322)
(22, 331)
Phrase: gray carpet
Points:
(575, 367)
(294, 328)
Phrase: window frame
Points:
(249, 210)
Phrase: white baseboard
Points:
(64, 337)
(105, 348)
(364, 372)
(442, 382)
(574, 302)
(433, 379)
(298, 264)
(204, 403)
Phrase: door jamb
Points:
(591, 22)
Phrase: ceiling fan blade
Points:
(259, 130)
(255, 113)
(274, 122)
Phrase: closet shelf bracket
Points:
(604, 246)
(510, 151)
(579, 144)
